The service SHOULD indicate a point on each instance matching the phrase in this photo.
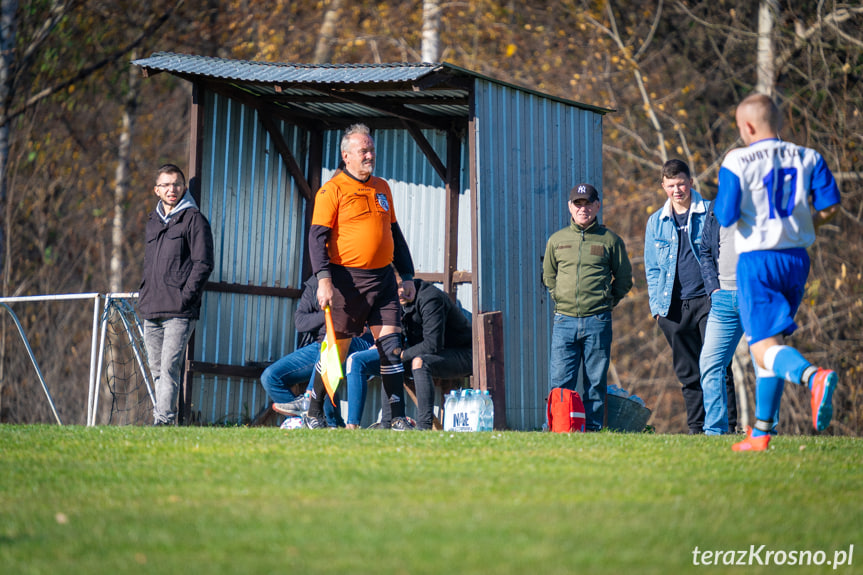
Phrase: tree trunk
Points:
(431, 31)
(8, 30)
(121, 185)
(324, 48)
(767, 12)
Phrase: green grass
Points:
(261, 500)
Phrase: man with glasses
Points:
(178, 259)
(587, 272)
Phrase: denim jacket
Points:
(660, 250)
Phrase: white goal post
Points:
(97, 346)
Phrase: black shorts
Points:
(363, 297)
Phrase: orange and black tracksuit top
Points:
(354, 226)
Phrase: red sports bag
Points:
(565, 411)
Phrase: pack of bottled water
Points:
(468, 410)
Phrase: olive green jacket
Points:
(587, 271)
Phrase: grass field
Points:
(261, 500)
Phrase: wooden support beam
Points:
(286, 154)
(225, 370)
(196, 155)
(453, 189)
(426, 149)
(247, 289)
(490, 374)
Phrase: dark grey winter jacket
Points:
(178, 259)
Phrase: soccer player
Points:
(354, 242)
(769, 190)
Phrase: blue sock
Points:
(789, 364)
(768, 395)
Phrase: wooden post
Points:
(196, 154)
(491, 363)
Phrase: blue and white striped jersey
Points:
(769, 189)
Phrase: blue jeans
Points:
(582, 343)
(296, 368)
(359, 368)
(721, 337)
(165, 340)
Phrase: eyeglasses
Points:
(176, 185)
(582, 204)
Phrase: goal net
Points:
(127, 396)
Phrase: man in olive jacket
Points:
(587, 271)
(178, 259)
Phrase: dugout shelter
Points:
(480, 171)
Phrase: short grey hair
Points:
(361, 129)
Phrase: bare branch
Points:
(56, 13)
(87, 71)
(727, 30)
(650, 34)
(804, 35)
(613, 33)
(634, 157)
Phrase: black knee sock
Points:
(392, 372)
(319, 393)
(394, 387)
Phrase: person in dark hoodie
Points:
(439, 344)
(178, 259)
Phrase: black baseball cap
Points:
(583, 192)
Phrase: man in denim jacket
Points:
(678, 300)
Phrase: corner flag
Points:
(331, 363)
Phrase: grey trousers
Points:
(166, 341)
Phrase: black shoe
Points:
(401, 424)
(314, 422)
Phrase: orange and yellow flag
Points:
(331, 363)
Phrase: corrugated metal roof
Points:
(406, 90)
(275, 72)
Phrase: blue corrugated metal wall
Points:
(256, 214)
(530, 151)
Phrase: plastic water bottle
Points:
(480, 408)
(474, 410)
(460, 422)
(449, 408)
(487, 412)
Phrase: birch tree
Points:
(121, 183)
(324, 46)
(431, 51)
(767, 10)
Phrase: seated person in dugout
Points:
(439, 344)
(283, 379)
